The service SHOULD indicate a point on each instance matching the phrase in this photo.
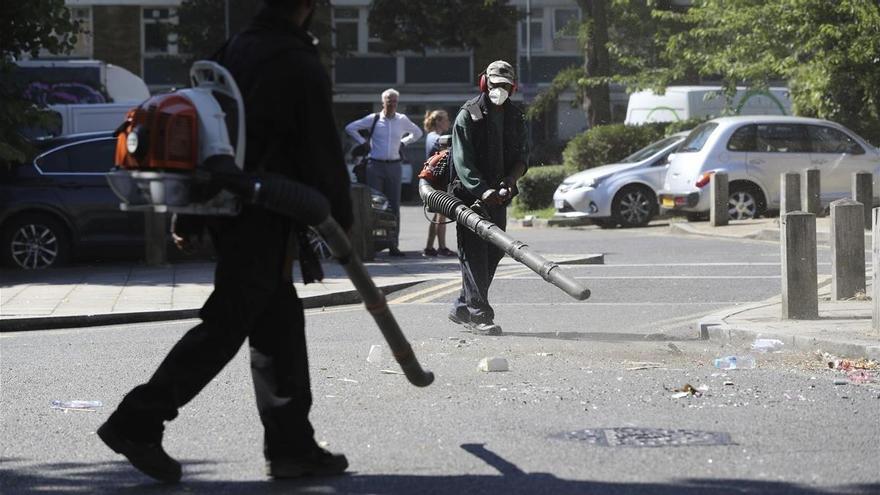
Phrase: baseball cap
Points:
(500, 71)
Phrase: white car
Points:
(622, 193)
(754, 151)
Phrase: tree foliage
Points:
(421, 24)
(28, 27)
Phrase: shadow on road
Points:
(119, 477)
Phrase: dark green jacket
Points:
(470, 149)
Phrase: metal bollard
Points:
(847, 249)
(863, 192)
(811, 201)
(800, 298)
(875, 269)
(790, 192)
(719, 198)
(362, 228)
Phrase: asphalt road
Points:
(571, 416)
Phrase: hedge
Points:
(536, 188)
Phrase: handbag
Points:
(362, 150)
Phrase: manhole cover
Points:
(646, 437)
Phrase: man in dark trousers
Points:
(291, 131)
(490, 153)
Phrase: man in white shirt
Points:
(383, 169)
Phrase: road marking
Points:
(450, 288)
(661, 277)
(589, 303)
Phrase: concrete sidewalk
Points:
(843, 327)
(115, 293)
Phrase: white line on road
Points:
(659, 277)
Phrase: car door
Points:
(779, 147)
(838, 156)
(79, 172)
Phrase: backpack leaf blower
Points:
(434, 180)
(174, 154)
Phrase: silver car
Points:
(754, 151)
(621, 193)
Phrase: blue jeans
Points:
(478, 260)
(385, 178)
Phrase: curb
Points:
(823, 238)
(77, 321)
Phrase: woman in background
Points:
(436, 124)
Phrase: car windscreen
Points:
(697, 138)
(650, 150)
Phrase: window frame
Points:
(64, 148)
(171, 39)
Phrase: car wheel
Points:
(319, 246)
(34, 242)
(633, 206)
(743, 204)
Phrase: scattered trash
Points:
(349, 380)
(836, 363)
(391, 372)
(728, 383)
(841, 382)
(545, 354)
(375, 355)
(77, 405)
(735, 362)
(688, 389)
(767, 345)
(490, 364)
(641, 365)
(860, 376)
(674, 348)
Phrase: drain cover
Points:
(646, 437)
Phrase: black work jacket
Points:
(288, 106)
(470, 145)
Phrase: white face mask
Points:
(498, 95)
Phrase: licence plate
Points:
(668, 201)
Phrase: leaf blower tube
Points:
(303, 203)
(452, 207)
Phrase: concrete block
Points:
(493, 363)
(800, 300)
(847, 249)
(718, 199)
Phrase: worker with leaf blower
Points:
(291, 133)
(490, 153)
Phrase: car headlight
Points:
(593, 182)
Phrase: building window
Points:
(157, 39)
(346, 26)
(565, 30)
(83, 46)
(532, 29)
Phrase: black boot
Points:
(317, 462)
(149, 458)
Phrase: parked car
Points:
(754, 151)
(58, 204)
(385, 226)
(622, 193)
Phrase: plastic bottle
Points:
(735, 362)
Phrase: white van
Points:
(687, 102)
(87, 95)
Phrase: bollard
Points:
(156, 237)
(800, 298)
(719, 199)
(847, 249)
(863, 192)
(362, 227)
(811, 201)
(875, 269)
(789, 192)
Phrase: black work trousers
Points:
(251, 300)
(478, 260)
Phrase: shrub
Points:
(536, 188)
(608, 144)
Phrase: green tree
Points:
(28, 27)
(421, 24)
(828, 52)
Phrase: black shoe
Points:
(397, 253)
(149, 458)
(484, 328)
(454, 318)
(318, 462)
